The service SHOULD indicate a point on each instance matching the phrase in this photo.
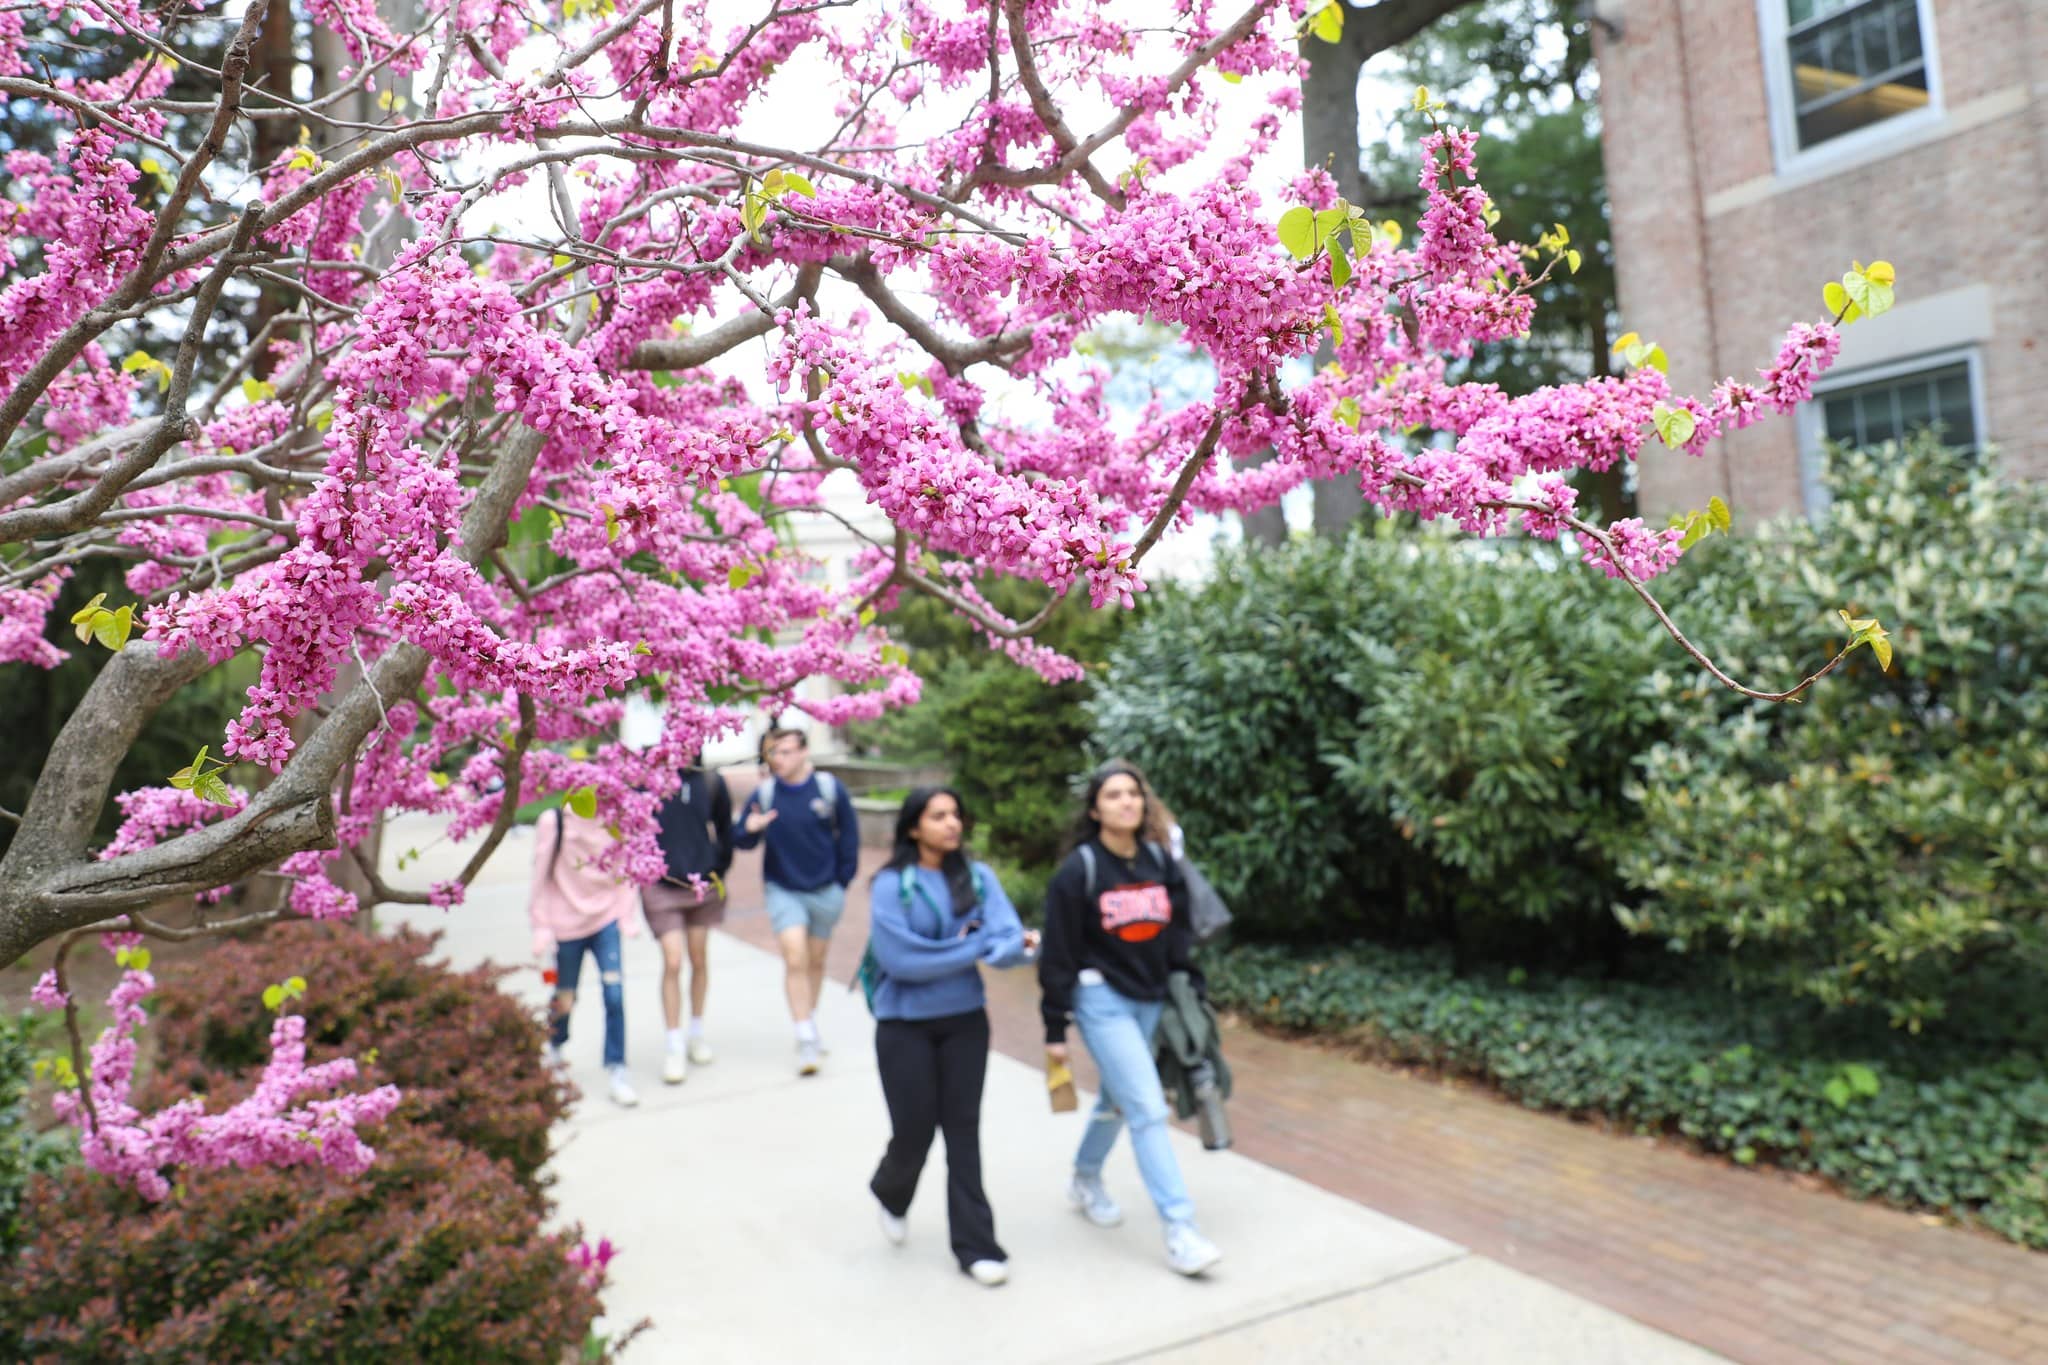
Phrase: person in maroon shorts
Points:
(681, 908)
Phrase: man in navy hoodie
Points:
(813, 851)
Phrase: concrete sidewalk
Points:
(738, 1201)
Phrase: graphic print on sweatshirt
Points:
(1137, 912)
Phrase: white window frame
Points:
(1807, 417)
(1838, 153)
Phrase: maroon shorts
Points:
(671, 908)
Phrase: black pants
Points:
(932, 1072)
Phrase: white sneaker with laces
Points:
(897, 1230)
(1188, 1251)
(990, 1273)
(806, 1057)
(1086, 1193)
(623, 1093)
(674, 1069)
(700, 1052)
(552, 1058)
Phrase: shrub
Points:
(1887, 841)
(1013, 745)
(23, 1152)
(1494, 710)
(467, 1056)
(1395, 735)
(1956, 1122)
(434, 1254)
(1227, 697)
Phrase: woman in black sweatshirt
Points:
(1116, 927)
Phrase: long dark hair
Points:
(1086, 826)
(959, 873)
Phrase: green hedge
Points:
(1886, 841)
(1957, 1123)
(1412, 739)
(23, 1151)
(1397, 735)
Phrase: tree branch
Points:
(48, 885)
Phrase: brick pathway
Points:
(1750, 1264)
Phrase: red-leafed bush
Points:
(467, 1056)
(434, 1254)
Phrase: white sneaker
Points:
(700, 1052)
(806, 1057)
(1086, 1193)
(623, 1093)
(1188, 1251)
(552, 1058)
(897, 1230)
(674, 1069)
(990, 1273)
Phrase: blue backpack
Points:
(869, 976)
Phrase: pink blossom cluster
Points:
(593, 1261)
(1642, 552)
(272, 1127)
(23, 613)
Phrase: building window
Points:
(1891, 404)
(1839, 68)
(1893, 409)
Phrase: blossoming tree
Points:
(491, 458)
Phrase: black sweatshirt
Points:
(1136, 933)
(696, 826)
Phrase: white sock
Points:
(696, 1027)
(675, 1040)
(806, 1031)
(617, 1072)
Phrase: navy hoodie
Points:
(803, 854)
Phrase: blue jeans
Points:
(1118, 1032)
(604, 945)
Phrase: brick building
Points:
(1755, 147)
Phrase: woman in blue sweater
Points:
(934, 917)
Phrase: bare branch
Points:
(687, 353)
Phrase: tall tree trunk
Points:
(273, 66)
(1329, 139)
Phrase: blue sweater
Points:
(928, 963)
(802, 853)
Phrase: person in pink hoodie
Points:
(578, 907)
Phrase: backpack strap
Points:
(903, 888)
(828, 788)
(1087, 852)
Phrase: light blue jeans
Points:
(1118, 1032)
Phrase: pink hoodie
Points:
(578, 900)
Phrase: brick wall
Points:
(1719, 251)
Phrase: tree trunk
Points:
(273, 66)
(1329, 139)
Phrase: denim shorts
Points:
(816, 912)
